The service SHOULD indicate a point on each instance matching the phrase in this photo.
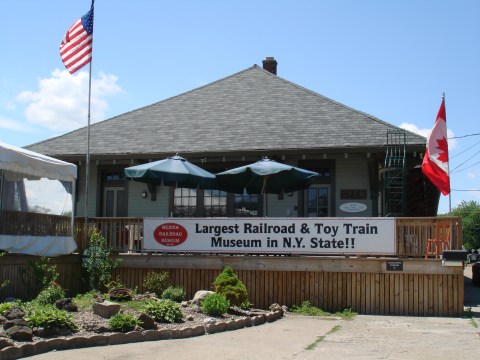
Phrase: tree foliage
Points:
(470, 214)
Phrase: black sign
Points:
(396, 265)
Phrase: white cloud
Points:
(452, 143)
(14, 125)
(61, 102)
(471, 175)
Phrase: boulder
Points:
(146, 321)
(14, 313)
(5, 342)
(20, 333)
(66, 304)
(14, 322)
(200, 296)
(276, 307)
(106, 309)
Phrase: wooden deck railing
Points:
(413, 234)
(34, 224)
(126, 234)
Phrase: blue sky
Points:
(392, 59)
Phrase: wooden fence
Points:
(13, 265)
(366, 285)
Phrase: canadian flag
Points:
(435, 162)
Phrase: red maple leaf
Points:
(442, 145)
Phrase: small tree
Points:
(228, 284)
(38, 275)
(470, 214)
(98, 262)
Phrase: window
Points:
(185, 202)
(245, 205)
(215, 203)
(316, 201)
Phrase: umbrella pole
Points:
(265, 195)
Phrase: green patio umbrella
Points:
(264, 177)
(174, 171)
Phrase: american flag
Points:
(76, 46)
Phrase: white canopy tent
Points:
(33, 184)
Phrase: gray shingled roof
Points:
(250, 110)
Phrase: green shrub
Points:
(157, 282)
(98, 262)
(228, 284)
(215, 304)
(49, 316)
(176, 294)
(38, 275)
(123, 322)
(5, 306)
(50, 294)
(164, 311)
(307, 309)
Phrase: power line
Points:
(460, 153)
(453, 170)
(464, 136)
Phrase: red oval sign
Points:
(170, 234)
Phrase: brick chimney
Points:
(270, 64)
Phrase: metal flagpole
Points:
(87, 172)
(448, 163)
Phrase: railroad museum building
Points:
(367, 166)
(363, 235)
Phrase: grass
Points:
(307, 309)
(313, 345)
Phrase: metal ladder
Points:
(395, 182)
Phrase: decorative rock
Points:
(215, 328)
(270, 317)
(51, 331)
(184, 304)
(165, 334)
(98, 340)
(200, 296)
(20, 333)
(276, 307)
(185, 333)
(78, 342)
(146, 321)
(106, 309)
(58, 344)
(13, 313)
(134, 336)
(117, 338)
(12, 352)
(258, 320)
(198, 330)
(190, 317)
(14, 322)
(239, 323)
(5, 342)
(3, 320)
(28, 349)
(248, 322)
(151, 335)
(66, 304)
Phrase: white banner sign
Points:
(317, 236)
